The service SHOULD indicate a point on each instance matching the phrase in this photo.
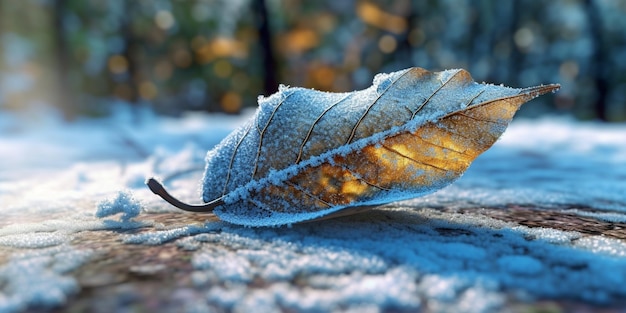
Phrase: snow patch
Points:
(417, 256)
(33, 240)
(123, 203)
(39, 278)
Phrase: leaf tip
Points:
(537, 91)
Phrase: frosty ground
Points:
(537, 221)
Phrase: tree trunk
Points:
(64, 98)
(270, 84)
(129, 52)
(599, 57)
(516, 58)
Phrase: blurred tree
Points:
(599, 54)
(270, 84)
(128, 56)
(2, 57)
(218, 55)
(64, 93)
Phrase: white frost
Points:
(38, 278)
(124, 203)
(408, 256)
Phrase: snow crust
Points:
(416, 254)
(39, 278)
(393, 258)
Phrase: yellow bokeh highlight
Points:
(231, 102)
(387, 44)
(117, 64)
(148, 90)
(375, 16)
(220, 47)
(322, 76)
(298, 40)
(222, 69)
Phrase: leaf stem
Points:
(158, 189)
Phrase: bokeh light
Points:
(196, 55)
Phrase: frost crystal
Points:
(124, 203)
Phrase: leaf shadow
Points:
(467, 249)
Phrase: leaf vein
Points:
(474, 98)
(443, 84)
(360, 178)
(310, 132)
(232, 159)
(369, 107)
(444, 147)
(262, 133)
(480, 119)
(391, 149)
(307, 192)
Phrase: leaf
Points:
(308, 154)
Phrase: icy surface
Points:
(417, 254)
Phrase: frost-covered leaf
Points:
(308, 154)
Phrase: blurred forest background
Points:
(85, 57)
